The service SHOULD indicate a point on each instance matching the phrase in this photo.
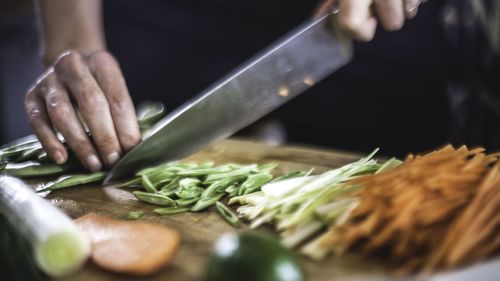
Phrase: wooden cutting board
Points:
(200, 230)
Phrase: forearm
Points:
(70, 24)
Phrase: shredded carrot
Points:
(436, 211)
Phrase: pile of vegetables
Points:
(430, 212)
(182, 187)
(176, 187)
(303, 207)
(436, 211)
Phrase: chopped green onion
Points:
(254, 182)
(294, 174)
(156, 199)
(32, 169)
(206, 202)
(147, 184)
(227, 214)
(171, 210)
(72, 180)
(134, 215)
(238, 172)
(301, 206)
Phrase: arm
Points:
(79, 69)
(70, 25)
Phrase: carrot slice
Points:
(129, 246)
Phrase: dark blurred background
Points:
(20, 64)
(431, 83)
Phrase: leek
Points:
(303, 206)
(58, 246)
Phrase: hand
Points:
(360, 17)
(101, 102)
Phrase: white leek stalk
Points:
(59, 246)
(302, 207)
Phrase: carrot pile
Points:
(436, 211)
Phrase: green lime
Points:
(252, 256)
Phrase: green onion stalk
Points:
(57, 246)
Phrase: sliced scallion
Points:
(227, 214)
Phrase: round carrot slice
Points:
(129, 246)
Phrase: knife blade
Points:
(287, 68)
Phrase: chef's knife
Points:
(287, 68)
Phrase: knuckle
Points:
(128, 141)
(69, 63)
(107, 138)
(34, 114)
(348, 24)
(362, 32)
(106, 69)
(59, 113)
(54, 98)
(102, 58)
(103, 64)
(107, 141)
(31, 93)
(30, 96)
(57, 104)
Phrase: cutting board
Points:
(200, 230)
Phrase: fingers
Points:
(390, 14)
(74, 74)
(42, 126)
(107, 73)
(65, 120)
(360, 17)
(96, 84)
(355, 17)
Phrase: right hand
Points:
(360, 17)
(101, 101)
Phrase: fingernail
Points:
(410, 7)
(113, 157)
(93, 163)
(59, 158)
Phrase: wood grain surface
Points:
(200, 230)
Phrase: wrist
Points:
(50, 56)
